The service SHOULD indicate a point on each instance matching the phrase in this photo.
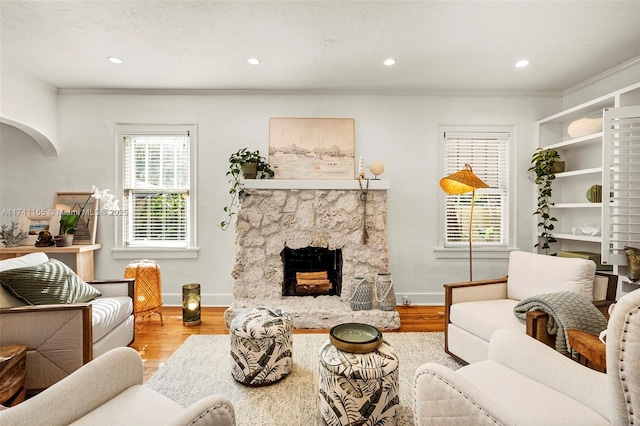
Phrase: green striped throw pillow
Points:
(51, 282)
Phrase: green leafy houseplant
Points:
(250, 165)
(68, 222)
(543, 161)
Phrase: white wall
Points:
(29, 105)
(401, 131)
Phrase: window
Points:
(157, 166)
(488, 155)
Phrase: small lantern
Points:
(191, 304)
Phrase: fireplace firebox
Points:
(312, 271)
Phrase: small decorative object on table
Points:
(45, 239)
(12, 235)
(355, 337)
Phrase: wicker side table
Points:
(13, 361)
(148, 287)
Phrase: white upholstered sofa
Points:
(475, 310)
(109, 391)
(525, 382)
(60, 338)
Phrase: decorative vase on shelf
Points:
(585, 126)
(633, 263)
(557, 167)
(594, 194)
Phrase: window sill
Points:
(478, 253)
(155, 253)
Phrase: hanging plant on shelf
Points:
(543, 161)
(250, 165)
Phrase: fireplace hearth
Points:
(295, 232)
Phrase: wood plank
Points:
(312, 275)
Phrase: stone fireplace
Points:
(299, 245)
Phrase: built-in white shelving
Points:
(583, 158)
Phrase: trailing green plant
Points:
(543, 161)
(236, 162)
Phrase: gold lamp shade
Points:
(461, 182)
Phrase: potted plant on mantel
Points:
(249, 165)
(545, 169)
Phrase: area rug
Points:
(201, 367)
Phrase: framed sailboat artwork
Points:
(312, 148)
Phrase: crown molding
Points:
(602, 76)
(305, 92)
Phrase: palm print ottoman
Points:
(358, 389)
(261, 346)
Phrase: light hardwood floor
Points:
(156, 343)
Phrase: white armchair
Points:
(526, 382)
(109, 390)
(475, 310)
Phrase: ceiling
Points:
(319, 45)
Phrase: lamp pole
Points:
(473, 196)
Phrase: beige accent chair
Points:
(109, 391)
(475, 310)
(525, 382)
(61, 338)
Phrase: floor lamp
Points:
(460, 183)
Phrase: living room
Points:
(63, 105)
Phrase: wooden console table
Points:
(83, 253)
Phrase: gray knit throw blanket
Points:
(566, 310)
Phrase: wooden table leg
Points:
(84, 265)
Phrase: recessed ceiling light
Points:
(254, 61)
(114, 60)
(390, 61)
(521, 64)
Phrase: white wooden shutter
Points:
(488, 155)
(620, 183)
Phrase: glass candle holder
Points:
(191, 304)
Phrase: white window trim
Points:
(120, 251)
(479, 252)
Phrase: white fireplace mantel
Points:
(374, 184)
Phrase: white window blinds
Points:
(620, 183)
(156, 190)
(487, 153)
